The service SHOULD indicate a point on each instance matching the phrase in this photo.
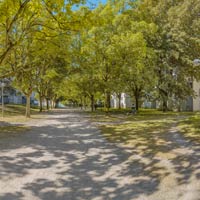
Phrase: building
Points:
(190, 104)
(125, 102)
(13, 96)
(196, 100)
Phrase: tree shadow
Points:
(70, 159)
(11, 196)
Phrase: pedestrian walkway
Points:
(65, 157)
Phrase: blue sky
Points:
(96, 1)
(92, 3)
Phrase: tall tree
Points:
(174, 57)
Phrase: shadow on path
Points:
(66, 158)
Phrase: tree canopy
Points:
(67, 50)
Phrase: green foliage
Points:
(176, 44)
(138, 47)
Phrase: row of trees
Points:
(141, 47)
(34, 41)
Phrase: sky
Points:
(92, 3)
(95, 2)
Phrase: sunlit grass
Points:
(146, 137)
(190, 127)
(16, 113)
(12, 131)
(147, 131)
(124, 115)
(136, 132)
(15, 110)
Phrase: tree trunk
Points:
(164, 102)
(41, 107)
(47, 102)
(164, 106)
(84, 102)
(119, 98)
(81, 104)
(107, 101)
(28, 106)
(92, 102)
(57, 103)
(137, 94)
(164, 97)
(137, 102)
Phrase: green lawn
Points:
(123, 115)
(12, 131)
(16, 113)
(15, 109)
(148, 136)
(190, 127)
(146, 130)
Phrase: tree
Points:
(11, 12)
(100, 41)
(24, 79)
(174, 44)
(132, 55)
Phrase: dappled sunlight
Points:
(71, 159)
(144, 135)
(190, 127)
(12, 131)
(159, 140)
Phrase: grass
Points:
(123, 115)
(16, 113)
(147, 130)
(133, 133)
(190, 127)
(12, 131)
(15, 110)
(146, 137)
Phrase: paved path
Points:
(64, 157)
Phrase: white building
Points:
(126, 101)
(13, 96)
(190, 104)
(196, 100)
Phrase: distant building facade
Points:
(195, 101)
(125, 101)
(13, 96)
(189, 104)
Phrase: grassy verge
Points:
(15, 110)
(16, 113)
(146, 130)
(190, 127)
(12, 131)
(123, 115)
(144, 135)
